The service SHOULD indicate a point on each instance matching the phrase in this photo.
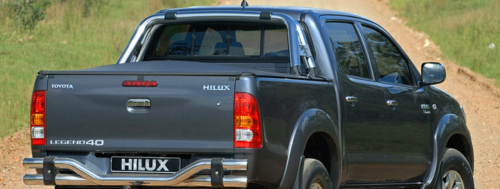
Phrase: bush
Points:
(29, 12)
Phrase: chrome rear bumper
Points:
(184, 177)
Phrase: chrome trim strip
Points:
(294, 29)
(184, 177)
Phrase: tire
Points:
(315, 176)
(457, 173)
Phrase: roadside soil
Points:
(479, 97)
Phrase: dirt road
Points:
(479, 97)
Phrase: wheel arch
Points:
(460, 143)
(313, 125)
(321, 146)
(451, 131)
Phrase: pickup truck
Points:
(251, 97)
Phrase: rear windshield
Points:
(219, 41)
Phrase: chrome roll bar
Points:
(298, 45)
(187, 176)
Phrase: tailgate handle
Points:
(138, 103)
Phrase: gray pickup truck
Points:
(251, 97)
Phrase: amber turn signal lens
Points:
(37, 119)
(243, 121)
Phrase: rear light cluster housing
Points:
(37, 118)
(247, 126)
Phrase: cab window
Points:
(391, 65)
(220, 40)
(348, 49)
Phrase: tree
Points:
(29, 12)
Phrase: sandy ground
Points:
(480, 99)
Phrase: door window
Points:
(391, 65)
(348, 49)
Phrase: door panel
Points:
(365, 116)
(408, 150)
(364, 130)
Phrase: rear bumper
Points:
(187, 176)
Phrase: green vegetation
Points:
(467, 31)
(75, 34)
(28, 13)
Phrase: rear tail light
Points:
(247, 129)
(37, 118)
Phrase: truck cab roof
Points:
(292, 11)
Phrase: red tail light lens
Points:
(247, 129)
(140, 83)
(37, 118)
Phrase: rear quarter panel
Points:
(281, 103)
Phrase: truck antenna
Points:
(244, 4)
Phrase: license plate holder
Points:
(126, 164)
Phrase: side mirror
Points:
(432, 73)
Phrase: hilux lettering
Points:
(150, 165)
(216, 87)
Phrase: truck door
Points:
(409, 149)
(365, 112)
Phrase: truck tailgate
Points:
(192, 114)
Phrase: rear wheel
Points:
(315, 175)
(457, 173)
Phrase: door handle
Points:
(392, 103)
(138, 103)
(351, 99)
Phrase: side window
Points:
(348, 49)
(391, 65)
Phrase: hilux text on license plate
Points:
(145, 164)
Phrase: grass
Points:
(463, 29)
(75, 34)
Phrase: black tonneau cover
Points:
(183, 68)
